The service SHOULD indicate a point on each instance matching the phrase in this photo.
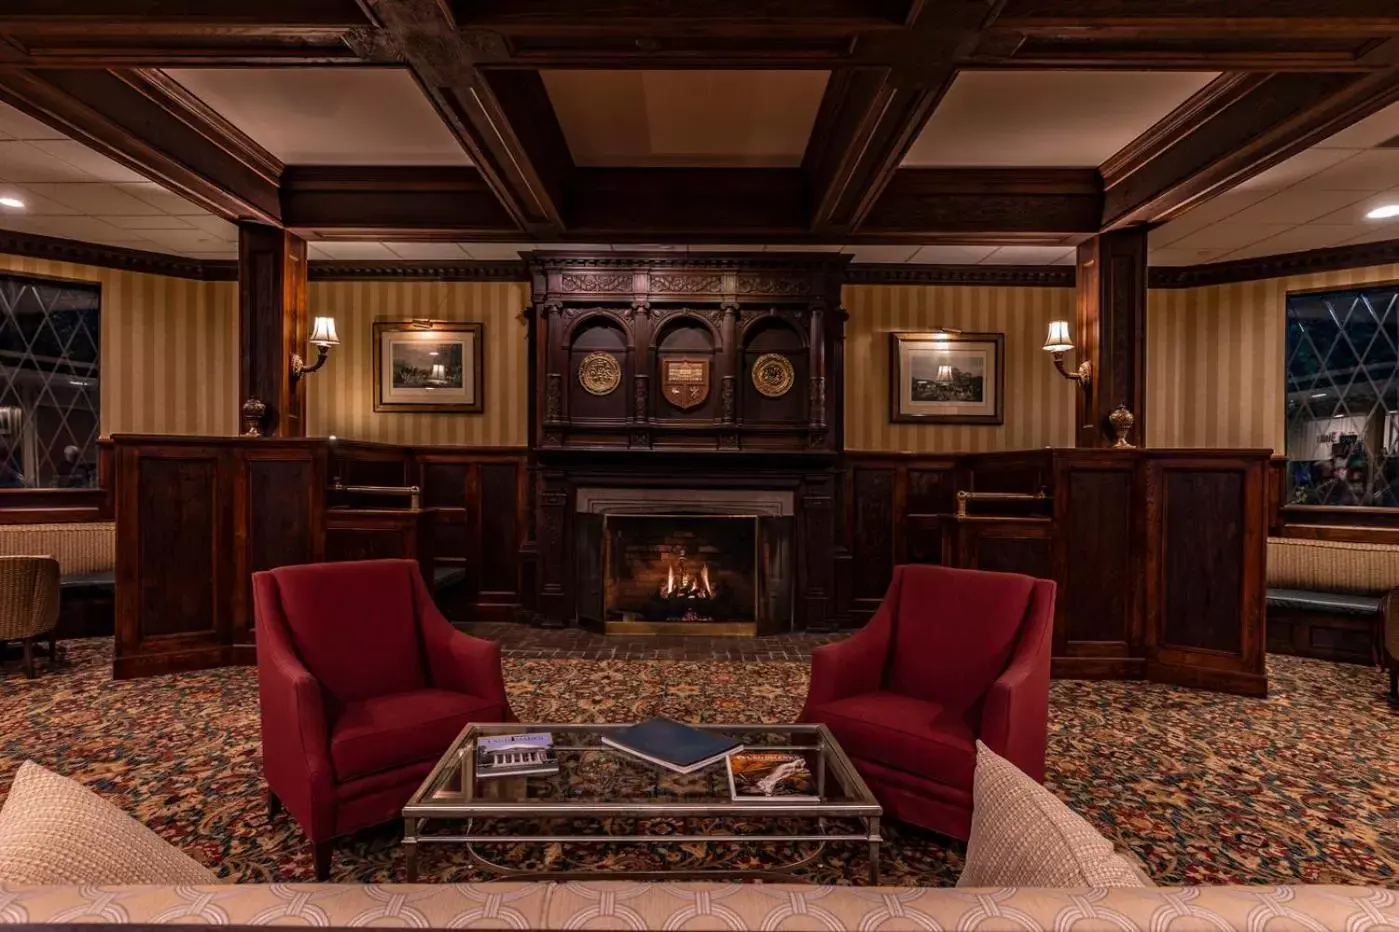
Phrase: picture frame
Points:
(943, 377)
(428, 368)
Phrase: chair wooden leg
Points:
(29, 657)
(322, 852)
(274, 805)
(53, 649)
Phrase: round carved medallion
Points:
(600, 373)
(773, 375)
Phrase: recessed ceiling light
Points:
(1384, 212)
(14, 202)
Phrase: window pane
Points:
(50, 380)
(1343, 398)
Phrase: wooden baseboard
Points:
(1237, 682)
(1098, 668)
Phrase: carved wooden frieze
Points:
(595, 282)
(686, 284)
(784, 285)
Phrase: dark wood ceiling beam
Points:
(922, 201)
(1234, 128)
(703, 204)
(369, 201)
(1205, 18)
(94, 17)
(506, 126)
(153, 126)
(872, 113)
(642, 18)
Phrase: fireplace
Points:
(685, 562)
(675, 568)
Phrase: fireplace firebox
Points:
(679, 570)
(710, 562)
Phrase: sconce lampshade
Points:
(944, 374)
(1058, 340)
(323, 332)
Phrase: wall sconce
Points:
(323, 337)
(1057, 343)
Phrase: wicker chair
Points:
(29, 604)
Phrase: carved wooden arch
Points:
(588, 314)
(666, 318)
(784, 319)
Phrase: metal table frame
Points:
(421, 808)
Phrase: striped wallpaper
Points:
(1215, 359)
(340, 396)
(169, 348)
(1039, 403)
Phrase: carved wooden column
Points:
(641, 373)
(1111, 333)
(272, 325)
(817, 396)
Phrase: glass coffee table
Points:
(603, 801)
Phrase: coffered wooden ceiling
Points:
(965, 130)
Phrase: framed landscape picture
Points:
(947, 378)
(430, 369)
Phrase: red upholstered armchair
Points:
(363, 685)
(951, 656)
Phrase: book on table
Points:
(671, 745)
(516, 755)
(771, 777)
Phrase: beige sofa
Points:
(623, 905)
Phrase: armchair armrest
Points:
(1015, 714)
(458, 661)
(295, 733)
(855, 665)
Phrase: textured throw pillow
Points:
(1023, 836)
(56, 832)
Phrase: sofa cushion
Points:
(1022, 835)
(1339, 603)
(973, 616)
(356, 632)
(55, 831)
(386, 732)
(908, 734)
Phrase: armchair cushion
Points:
(902, 732)
(388, 732)
(354, 627)
(976, 619)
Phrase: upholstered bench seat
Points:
(444, 576)
(101, 580)
(1305, 600)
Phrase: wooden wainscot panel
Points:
(280, 521)
(1001, 544)
(1097, 556)
(174, 565)
(378, 534)
(1206, 553)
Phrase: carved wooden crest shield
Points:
(685, 381)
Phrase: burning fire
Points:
(684, 584)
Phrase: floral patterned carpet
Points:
(1203, 788)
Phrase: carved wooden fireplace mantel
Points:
(685, 373)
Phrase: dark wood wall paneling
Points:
(195, 517)
(198, 515)
(1159, 555)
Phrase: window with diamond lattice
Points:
(1343, 398)
(50, 380)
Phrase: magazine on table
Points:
(771, 777)
(516, 755)
(669, 744)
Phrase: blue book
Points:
(672, 745)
